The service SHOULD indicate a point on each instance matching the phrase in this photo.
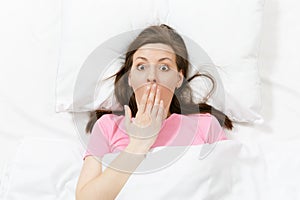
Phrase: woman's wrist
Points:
(136, 147)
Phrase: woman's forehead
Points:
(155, 51)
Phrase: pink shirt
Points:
(109, 135)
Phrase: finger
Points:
(143, 102)
(156, 103)
(157, 97)
(160, 112)
(127, 115)
(150, 99)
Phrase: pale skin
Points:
(143, 130)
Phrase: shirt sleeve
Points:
(98, 143)
(215, 132)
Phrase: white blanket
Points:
(230, 170)
(225, 170)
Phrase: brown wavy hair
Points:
(182, 99)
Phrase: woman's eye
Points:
(164, 67)
(140, 67)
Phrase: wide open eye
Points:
(140, 67)
(164, 67)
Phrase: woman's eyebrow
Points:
(143, 58)
(161, 59)
(166, 58)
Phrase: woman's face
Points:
(155, 63)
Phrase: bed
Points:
(43, 142)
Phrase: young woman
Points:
(157, 100)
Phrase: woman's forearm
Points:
(109, 184)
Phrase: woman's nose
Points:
(151, 76)
(151, 80)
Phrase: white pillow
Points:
(229, 31)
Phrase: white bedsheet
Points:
(41, 150)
